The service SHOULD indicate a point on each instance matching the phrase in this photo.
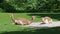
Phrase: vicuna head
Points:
(33, 18)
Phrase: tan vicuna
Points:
(46, 20)
(21, 21)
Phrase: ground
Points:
(6, 26)
(39, 25)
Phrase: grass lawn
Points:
(6, 26)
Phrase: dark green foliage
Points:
(50, 6)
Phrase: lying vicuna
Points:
(21, 21)
(46, 20)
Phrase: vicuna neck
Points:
(12, 17)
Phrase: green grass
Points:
(6, 26)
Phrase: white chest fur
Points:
(19, 22)
(46, 21)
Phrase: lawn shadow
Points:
(37, 31)
(53, 16)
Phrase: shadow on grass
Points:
(53, 16)
(37, 31)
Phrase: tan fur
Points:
(24, 21)
(46, 18)
(21, 21)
